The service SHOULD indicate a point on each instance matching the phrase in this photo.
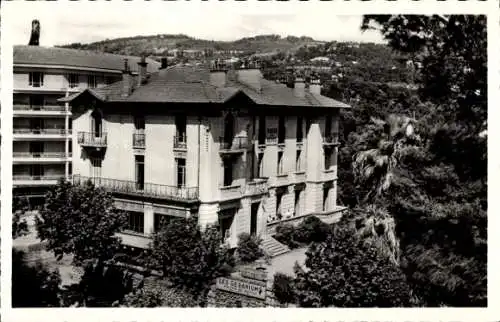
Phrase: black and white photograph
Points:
(202, 158)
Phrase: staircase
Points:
(272, 247)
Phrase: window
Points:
(139, 172)
(328, 159)
(91, 81)
(260, 165)
(73, 80)
(279, 198)
(36, 79)
(228, 173)
(180, 124)
(300, 135)
(96, 121)
(281, 130)
(36, 148)
(36, 102)
(108, 80)
(325, 198)
(297, 202)
(229, 129)
(181, 172)
(298, 161)
(95, 167)
(139, 122)
(262, 130)
(161, 220)
(280, 163)
(328, 126)
(136, 222)
(37, 171)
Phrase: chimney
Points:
(126, 79)
(315, 86)
(35, 33)
(164, 63)
(299, 87)
(143, 70)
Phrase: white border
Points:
(268, 7)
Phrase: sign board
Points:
(255, 274)
(241, 287)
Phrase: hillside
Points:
(159, 44)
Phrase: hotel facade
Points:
(226, 146)
(42, 128)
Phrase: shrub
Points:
(283, 288)
(248, 248)
(312, 229)
(285, 233)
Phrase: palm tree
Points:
(376, 167)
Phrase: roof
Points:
(64, 57)
(182, 84)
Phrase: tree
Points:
(20, 205)
(80, 220)
(346, 272)
(190, 258)
(33, 285)
(283, 288)
(249, 248)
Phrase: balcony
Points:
(42, 157)
(257, 186)
(331, 140)
(180, 142)
(29, 180)
(230, 192)
(329, 174)
(238, 144)
(39, 110)
(139, 141)
(132, 188)
(92, 139)
(300, 176)
(40, 134)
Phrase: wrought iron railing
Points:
(180, 142)
(23, 177)
(41, 155)
(47, 108)
(139, 140)
(93, 139)
(142, 189)
(41, 131)
(236, 143)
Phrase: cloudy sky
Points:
(64, 22)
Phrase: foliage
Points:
(20, 205)
(188, 257)
(345, 272)
(33, 285)
(283, 288)
(159, 296)
(249, 248)
(285, 233)
(311, 229)
(80, 220)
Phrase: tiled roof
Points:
(192, 85)
(54, 56)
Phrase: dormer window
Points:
(73, 80)
(91, 81)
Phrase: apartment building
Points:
(226, 146)
(42, 146)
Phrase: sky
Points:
(64, 22)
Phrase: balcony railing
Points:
(45, 108)
(24, 177)
(141, 189)
(256, 187)
(236, 144)
(92, 139)
(139, 140)
(331, 139)
(230, 192)
(180, 142)
(41, 131)
(41, 155)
